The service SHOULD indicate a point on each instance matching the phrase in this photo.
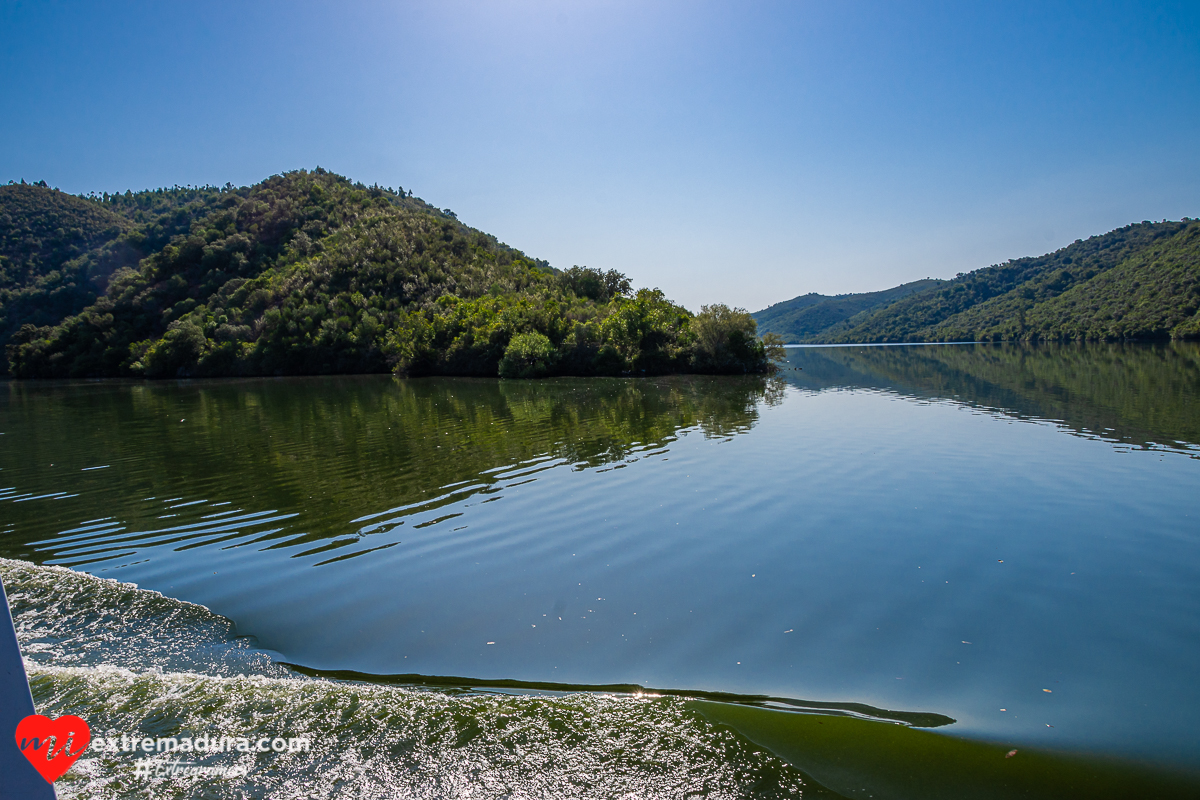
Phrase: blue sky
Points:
(726, 152)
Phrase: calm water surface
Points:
(999, 543)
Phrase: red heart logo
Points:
(34, 734)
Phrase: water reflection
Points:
(325, 466)
(897, 545)
(1144, 395)
(318, 465)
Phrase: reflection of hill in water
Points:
(1139, 394)
(337, 449)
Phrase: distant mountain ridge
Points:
(809, 315)
(1138, 282)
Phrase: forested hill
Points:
(53, 257)
(814, 315)
(308, 272)
(1139, 282)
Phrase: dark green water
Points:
(908, 544)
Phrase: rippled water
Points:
(190, 676)
(925, 535)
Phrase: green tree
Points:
(528, 355)
(177, 353)
(727, 341)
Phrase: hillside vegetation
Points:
(812, 315)
(53, 255)
(308, 272)
(1139, 282)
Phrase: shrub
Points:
(528, 355)
(177, 352)
(727, 341)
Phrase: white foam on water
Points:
(134, 662)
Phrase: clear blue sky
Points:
(724, 151)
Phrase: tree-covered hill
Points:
(46, 238)
(1141, 281)
(58, 251)
(812, 315)
(41, 228)
(1154, 294)
(308, 272)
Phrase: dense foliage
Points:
(815, 315)
(308, 272)
(1154, 294)
(54, 255)
(1137, 282)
